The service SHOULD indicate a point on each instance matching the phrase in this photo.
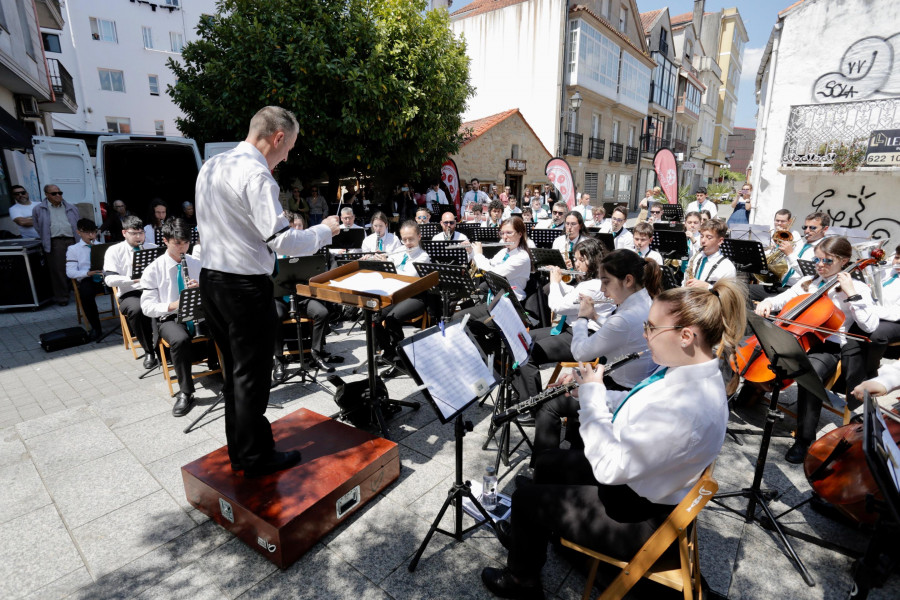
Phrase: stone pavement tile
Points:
(320, 574)
(236, 567)
(12, 450)
(54, 422)
(190, 583)
(117, 538)
(9, 421)
(719, 538)
(31, 411)
(63, 449)
(158, 436)
(23, 490)
(167, 471)
(93, 489)
(131, 407)
(437, 441)
(35, 551)
(418, 475)
(63, 587)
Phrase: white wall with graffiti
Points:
(831, 72)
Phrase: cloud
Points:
(750, 66)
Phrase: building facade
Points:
(818, 99)
(691, 113)
(740, 150)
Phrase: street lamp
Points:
(575, 101)
(697, 147)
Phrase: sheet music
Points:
(371, 283)
(451, 367)
(509, 322)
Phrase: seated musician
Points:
(538, 210)
(423, 215)
(616, 226)
(117, 264)
(598, 219)
(512, 208)
(574, 232)
(528, 215)
(855, 300)
(390, 333)
(557, 217)
(380, 240)
(449, 232)
(643, 450)
(887, 380)
(692, 231)
(802, 247)
(709, 264)
(495, 214)
(78, 267)
(655, 213)
(162, 282)
(643, 234)
(475, 214)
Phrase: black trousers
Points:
(860, 360)
(761, 292)
(391, 333)
(176, 334)
(59, 282)
(88, 290)
(547, 348)
(240, 312)
(309, 308)
(824, 359)
(141, 325)
(566, 500)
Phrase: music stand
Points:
(98, 253)
(454, 282)
(607, 239)
(484, 234)
(748, 256)
(467, 228)
(438, 251)
(672, 212)
(543, 238)
(759, 233)
(349, 257)
(429, 230)
(349, 239)
(787, 361)
(382, 266)
(195, 236)
(671, 245)
(143, 258)
(548, 257)
(668, 226)
(808, 269)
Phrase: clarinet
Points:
(537, 400)
(184, 269)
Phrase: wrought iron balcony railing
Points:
(679, 146)
(596, 146)
(60, 79)
(631, 155)
(816, 131)
(651, 144)
(615, 152)
(574, 143)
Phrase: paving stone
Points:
(23, 490)
(63, 587)
(65, 448)
(167, 471)
(39, 427)
(12, 450)
(158, 436)
(190, 583)
(236, 567)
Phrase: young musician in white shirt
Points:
(78, 267)
(709, 264)
(643, 234)
(380, 240)
(622, 237)
(703, 203)
(574, 232)
(495, 214)
(643, 450)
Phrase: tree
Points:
(378, 86)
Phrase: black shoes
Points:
(150, 361)
(504, 584)
(319, 363)
(277, 461)
(278, 371)
(797, 454)
(183, 404)
(503, 529)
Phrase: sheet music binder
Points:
(142, 258)
(499, 286)
(672, 212)
(98, 253)
(189, 305)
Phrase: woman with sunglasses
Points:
(643, 450)
(853, 299)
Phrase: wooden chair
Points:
(567, 365)
(290, 321)
(79, 309)
(167, 368)
(131, 341)
(682, 574)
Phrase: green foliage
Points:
(685, 196)
(378, 86)
(729, 175)
(715, 190)
(849, 158)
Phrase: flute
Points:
(483, 245)
(549, 268)
(597, 300)
(537, 400)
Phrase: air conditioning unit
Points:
(28, 106)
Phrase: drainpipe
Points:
(565, 78)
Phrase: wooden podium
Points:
(320, 287)
(283, 514)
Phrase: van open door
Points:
(67, 163)
(213, 148)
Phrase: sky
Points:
(758, 15)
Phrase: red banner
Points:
(560, 175)
(450, 177)
(667, 173)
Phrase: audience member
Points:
(56, 222)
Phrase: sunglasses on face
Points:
(54, 193)
(448, 222)
(810, 227)
(824, 261)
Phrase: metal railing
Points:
(60, 79)
(574, 142)
(816, 131)
(679, 146)
(651, 144)
(615, 152)
(596, 146)
(631, 155)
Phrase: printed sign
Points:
(883, 149)
(450, 177)
(664, 165)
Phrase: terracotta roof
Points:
(477, 7)
(621, 36)
(792, 6)
(481, 126)
(648, 18)
(682, 18)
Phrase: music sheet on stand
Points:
(371, 283)
(509, 322)
(451, 367)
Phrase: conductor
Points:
(241, 222)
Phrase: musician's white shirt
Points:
(710, 272)
(403, 261)
(889, 376)
(803, 250)
(648, 253)
(662, 438)
(516, 269)
(160, 283)
(562, 243)
(389, 243)
(890, 294)
(118, 261)
(457, 237)
(623, 239)
(562, 299)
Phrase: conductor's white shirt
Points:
(160, 283)
(240, 219)
(516, 268)
(117, 263)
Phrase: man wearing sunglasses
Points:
(56, 222)
(557, 217)
(20, 212)
(813, 232)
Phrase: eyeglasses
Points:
(648, 327)
(54, 193)
(448, 223)
(810, 227)
(655, 212)
(134, 232)
(615, 220)
(558, 212)
(22, 193)
(825, 261)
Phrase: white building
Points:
(117, 53)
(828, 76)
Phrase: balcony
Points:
(573, 144)
(679, 146)
(615, 152)
(815, 131)
(596, 146)
(49, 16)
(650, 144)
(631, 155)
(692, 111)
(63, 89)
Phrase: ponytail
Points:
(652, 277)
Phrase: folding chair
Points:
(131, 342)
(79, 309)
(167, 368)
(683, 576)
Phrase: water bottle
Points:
(489, 489)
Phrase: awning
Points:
(13, 134)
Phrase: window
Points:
(573, 45)
(591, 181)
(598, 57)
(159, 127)
(26, 30)
(103, 30)
(176, 41)
(147, 34)
(572, 121)
(118, 124)
(615, 132)
(51, 42)
(514, 151)
(112, 80)
(665, 76)
(595, 125)
(634, 83)
(171, 2)
(631, 132)
(154, 84)
(692, 99)
(609, 186)
(624, 188)
(604, 9)
(623, 19)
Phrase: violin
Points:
(811, 318)
(837, 471)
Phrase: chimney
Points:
(699, 7)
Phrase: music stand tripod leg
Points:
(302, 371)
(219, 398)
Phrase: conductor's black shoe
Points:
(503, 529)
(319, 363)
(183, 404)
(278, 373)
(150, 361)
(277, 461)
(504, 584)
(797, 454)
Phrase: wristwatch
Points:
(854, 298)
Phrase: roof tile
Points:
(647, 19)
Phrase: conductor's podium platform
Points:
(283, 514)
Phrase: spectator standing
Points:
(297, 203)
(318, 207)
(187, 212)
(113, 226)
(56, 222)
(20, 212)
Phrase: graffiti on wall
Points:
(852, 213)
(870, 66)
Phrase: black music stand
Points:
(429, 230)
(468, 228)
(195, 236)
(759, 233)
(446, 350)
(543, 238)
(607, 239)
(454, 283)
(672, 212)
(548, 257)
(348, 239)
(438, 251)
(808, 269)
(484, 234)
(382, 266)
(672, 245)
(349, 257)
(143, 258)
(787, 361)
(748, 256)
(290, 272)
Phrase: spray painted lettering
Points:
(866, 69)
(880, 228)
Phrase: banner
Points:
(450, 177)
(667, 173)
(560, 175)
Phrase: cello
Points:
(811, 318)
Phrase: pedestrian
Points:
(20, 212)
(56, 222)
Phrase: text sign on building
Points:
(689, 166)
(516, 164)
(883, 148)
